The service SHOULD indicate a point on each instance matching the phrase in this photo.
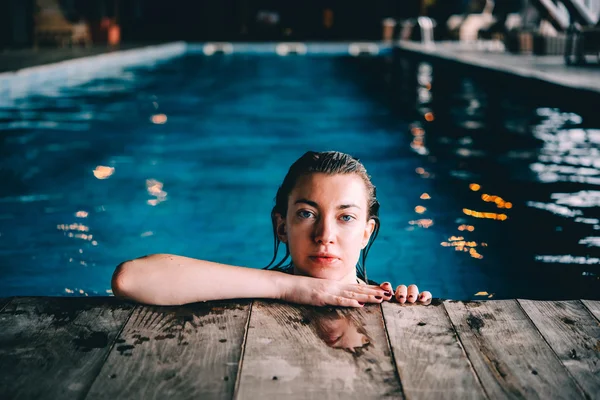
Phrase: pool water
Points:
(185, 157)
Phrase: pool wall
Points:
(292, 48)
(48, 79)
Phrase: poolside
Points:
(159, 142)
(26, 58)
(548, 68)
(486, 194)
(107, 348)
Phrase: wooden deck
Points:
(103, 347)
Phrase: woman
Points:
(327, 215)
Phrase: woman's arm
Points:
(165, 279)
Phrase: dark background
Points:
(202, 20)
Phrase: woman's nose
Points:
(324, 232)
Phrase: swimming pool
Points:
(484, 192)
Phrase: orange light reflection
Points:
(422, 223)
(102, 172)
(159, 119)
(488, 215)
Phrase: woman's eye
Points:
(347, 218)
(305, 214)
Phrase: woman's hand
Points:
(412, 295)
(324, 292)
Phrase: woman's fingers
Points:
(343, 301)
(387, 287)
(363, 297)
(371, 290)
(332, 293)
(413, 293)
(366, 294)
(401, 292)
(425, 298)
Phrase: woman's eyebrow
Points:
(344, 206)
(315, 205)
(306, 201)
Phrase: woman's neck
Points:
(350, 278)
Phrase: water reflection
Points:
(155, 188)
(488, 215)
(339, 328)
(542, 160)
(103, 172)
(159, 119)
(422, 223)
(81, 214)
(539, 161)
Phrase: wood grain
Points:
(296, 352)
(54, 347)
(3, 302)
(430, 359)
(508, 354)
(573, 334)
(593, 307)
(182, 352)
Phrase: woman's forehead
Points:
(327, 189)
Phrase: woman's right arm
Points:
(165, 279)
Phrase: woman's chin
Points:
(336, 273)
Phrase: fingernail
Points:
(401, 296)
(362, 304)
(378, 297)
(411, 296)
(387, 293)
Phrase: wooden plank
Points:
(182, 352)
(3, 302)
(507, 352)
(430, 359)
(296, 352)
(593, 307)
(573, 334)
(54, 347)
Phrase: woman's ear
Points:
(369, 228)
(280, 228)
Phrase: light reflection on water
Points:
(481, 191)
(540, 157)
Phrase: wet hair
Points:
(330, 163)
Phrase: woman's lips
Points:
(324, 259)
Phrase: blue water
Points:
(191, 153)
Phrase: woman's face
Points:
(326, 225)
